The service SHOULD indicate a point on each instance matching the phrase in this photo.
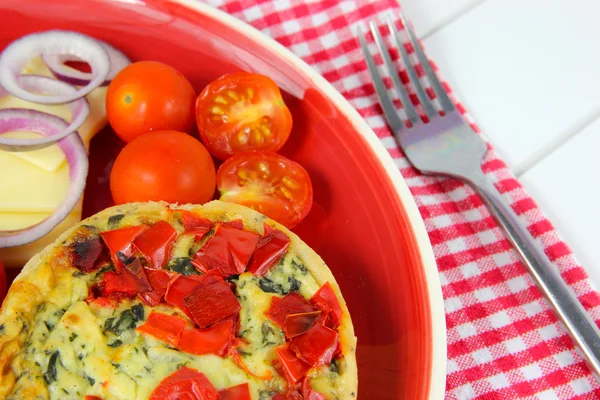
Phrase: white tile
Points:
(427, 15)
(566, 186)
(526, 70)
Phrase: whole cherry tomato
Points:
(269, 183)
(164, 165)
(149, 96)
(241, 112)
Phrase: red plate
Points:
(364, 222)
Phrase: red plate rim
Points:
(437, 382)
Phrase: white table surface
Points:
(528, 71)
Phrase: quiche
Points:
(158, 301)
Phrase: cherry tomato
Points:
(240, 112)
(269, 183)
(149, 96)
(165, 165)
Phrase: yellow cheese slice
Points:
(32, 184)
(25, 187)
(49, 158)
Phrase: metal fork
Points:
(447, 146)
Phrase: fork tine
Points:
(384, 99)
(411, 112)
(412, 73)
(445, 101)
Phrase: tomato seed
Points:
(292, 184)
(233, 95)
(242, 137)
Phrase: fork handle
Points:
(579, 325)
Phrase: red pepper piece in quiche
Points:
(239, 392)
(156, 243)
(195, 224)
(213, 340)
(182, 286)
(236, 223)
(120, 240)
(88, 254)
(269, 250)
(134, 272)
(297, 324)
(212, 303)
(308, 393)
(281, 307)
(185, 383)
(316, 346)
(228, 249)
(167, 328)
(326, 300)
(210, 265)
(117, 286)
(88, 397)
(159, 280)
(293, 367)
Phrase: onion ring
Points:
(76, 155)
(80, 110)
(17, 54)
(56, 65)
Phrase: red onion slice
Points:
(56, 64)
(80, 110)
(76, 155)
(16, 56)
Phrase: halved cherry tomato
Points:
(213, 340)
(240, 112)
(167, 328)
(165, 165)
(149, 96)
(268, 182)
(156, 242)
(239, 392)
(185, 383)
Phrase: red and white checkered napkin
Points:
(503, 341)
